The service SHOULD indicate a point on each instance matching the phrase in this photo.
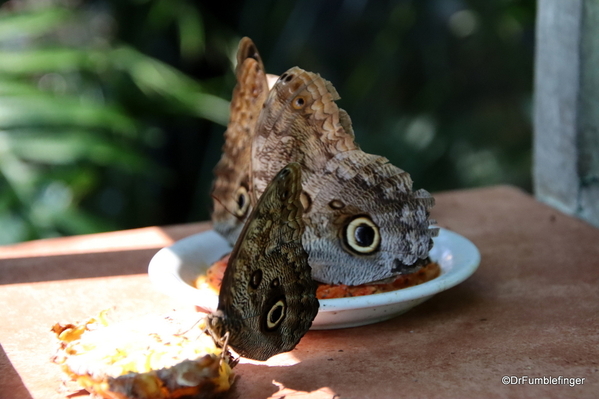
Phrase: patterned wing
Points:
(231, 188)
(300, 123)
(268, 299)
(363, 221)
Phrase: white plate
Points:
(174, 269)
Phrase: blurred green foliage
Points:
(80, 115)
(112, 112)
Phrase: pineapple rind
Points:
(156, 357)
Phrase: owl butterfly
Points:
(363, 221)
(268, 299)
(231, 188)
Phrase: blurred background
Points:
(112, 111)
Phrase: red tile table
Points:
(531, 310)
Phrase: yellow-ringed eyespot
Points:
(361, 235)
(298, 102)
(276, 314)
(242, 200)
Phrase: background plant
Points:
(112, 112)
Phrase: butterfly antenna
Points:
(190, 328)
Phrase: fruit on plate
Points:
(152, 357)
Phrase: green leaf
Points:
(156, 78)
(14, 229)
(10, 87)
(31, 22)
(71, 146)
(151, 75)
(210, 107)
(191, 32)
(47, 110)
(35, 61)
(77, 221)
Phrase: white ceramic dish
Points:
(173, 269)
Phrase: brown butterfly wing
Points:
(300, 123)
(267, 300)
(381, 227)
(231, 189)
(363, 221)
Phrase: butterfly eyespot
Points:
(336, 204)
(362, 235)
(283, 76)
(256, 279)
(275, 315)
(288, 78)
(298, 103)
(242, 200)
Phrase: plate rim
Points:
(446, 280)
(441, 283)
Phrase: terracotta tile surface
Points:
(532, 309)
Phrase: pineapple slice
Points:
(154, 357)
